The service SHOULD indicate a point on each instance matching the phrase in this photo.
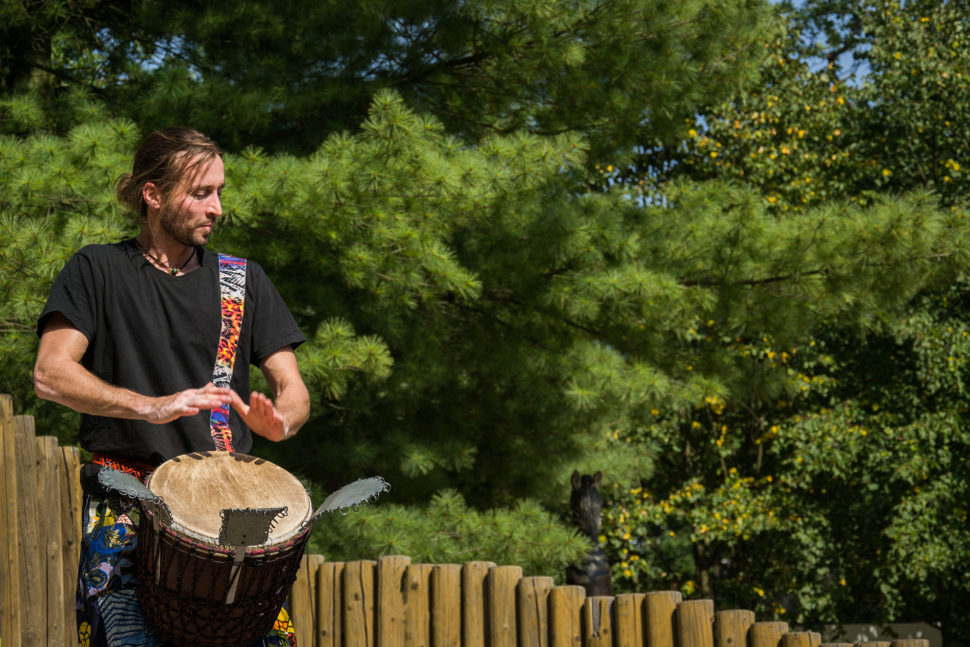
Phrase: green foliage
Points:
(830, 487)
(286, 75)
(816, 134)
(447, 531)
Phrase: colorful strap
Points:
(232, 290)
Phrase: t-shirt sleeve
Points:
(74, 296)
(273, 325)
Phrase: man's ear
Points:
(151, 195)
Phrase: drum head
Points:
(197, 487)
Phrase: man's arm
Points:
(59, 376)
(281, 420)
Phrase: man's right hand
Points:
(186, 403)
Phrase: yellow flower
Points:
(886, 172)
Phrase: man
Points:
(146, 339)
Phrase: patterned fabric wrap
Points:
(139, 470)
(108, 611)
(232, 289)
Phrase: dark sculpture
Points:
(593, 572)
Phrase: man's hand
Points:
(186, 403)
(261, 416)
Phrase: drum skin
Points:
(194, 591)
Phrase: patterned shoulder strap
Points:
(232, 291)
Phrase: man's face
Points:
(196, 204)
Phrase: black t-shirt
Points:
(157, 334)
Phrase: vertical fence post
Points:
(417, 605)
(390, 600)
(731, 627)
(446, 604)
(49, 494)
(767, 634)
(628, 626)
(32, 569)
(301, 604)
(329, 611)
(598, 621)
(532, 609)
(358, 603)
(659, 608)
(565, 628)
(502, 583)
(11, 612)
(69, 475)
(801, 639)
(473, 603)
(695, 623)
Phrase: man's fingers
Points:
(237, 403)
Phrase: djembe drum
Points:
(217, 558)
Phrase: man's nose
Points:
(215, 205)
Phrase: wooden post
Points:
(446, 604)
(301, 604)
(329, 604)
(731, 627)
(358, 603)
(390, 600)
(532, 610)
(695, 623)
(565, 604)
(71, 501)
(767, 634)
(417, 605)
(49, 496)
(11, 613)
(598, 621)
(659, 608)
(801, 639)
(502, 582)
(473, 603)
(33, 579)
(628, 620)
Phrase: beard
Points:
(177, 226)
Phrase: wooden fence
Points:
(386, 603)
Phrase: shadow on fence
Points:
(386, 603)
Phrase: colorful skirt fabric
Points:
(108, 612)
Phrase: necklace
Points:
(171, 269)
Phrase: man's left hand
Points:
(261, 416)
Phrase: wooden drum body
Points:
(194, 589)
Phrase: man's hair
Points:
(164, 158)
